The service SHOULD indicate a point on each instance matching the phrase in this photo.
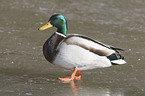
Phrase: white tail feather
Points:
(119, 61)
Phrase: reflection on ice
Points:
(79, 90)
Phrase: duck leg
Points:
(72, 77)
(79, 75)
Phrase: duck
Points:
(76, 51)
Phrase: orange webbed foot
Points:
(73, 76)
(65, 79)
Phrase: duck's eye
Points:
(55, 18)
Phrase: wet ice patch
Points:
(28, 93)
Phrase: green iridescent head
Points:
(57, 21)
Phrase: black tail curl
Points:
(115, 56)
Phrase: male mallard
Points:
(77, 51)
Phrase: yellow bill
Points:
(46, 26)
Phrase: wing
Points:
(90, 44)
